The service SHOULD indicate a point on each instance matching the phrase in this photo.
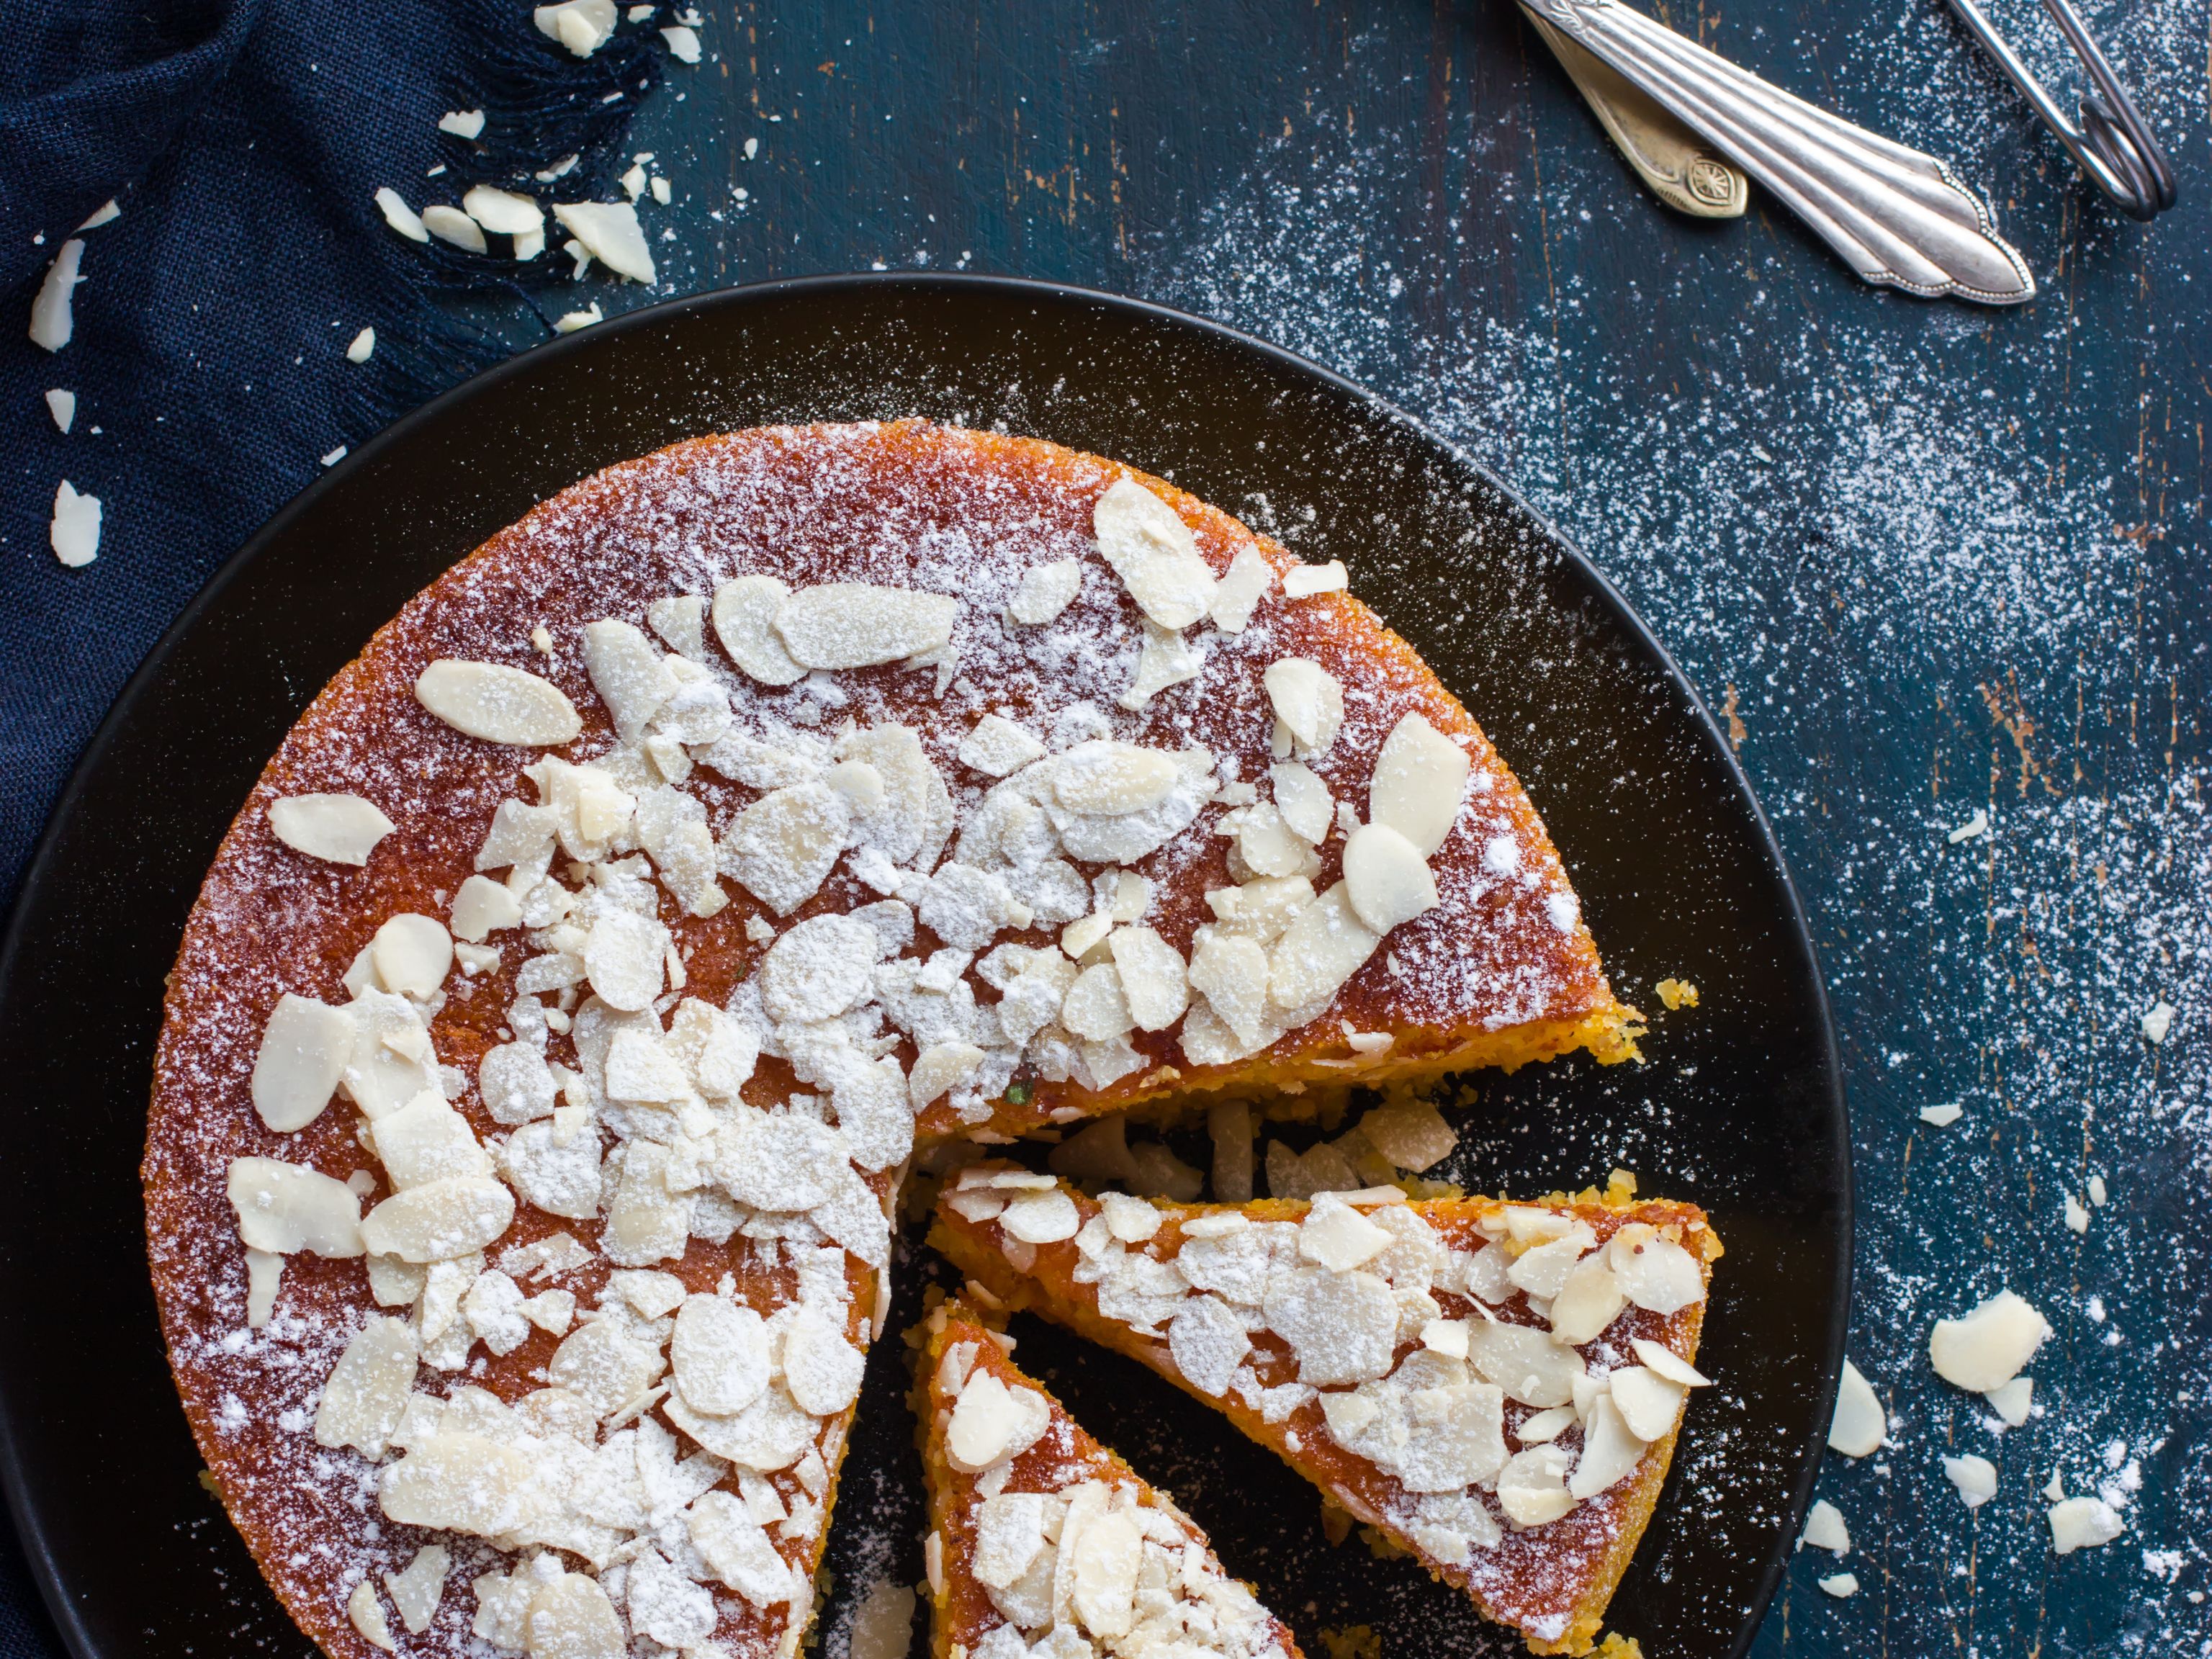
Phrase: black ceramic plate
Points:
(1739, 1106)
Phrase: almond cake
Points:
(556, 1021)
(1495, 1387)
(1044, 1543)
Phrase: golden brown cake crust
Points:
(1558, 1578)
(1501, 972)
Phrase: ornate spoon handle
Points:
(1902, 219)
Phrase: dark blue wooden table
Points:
(1935, 566)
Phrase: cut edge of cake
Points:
(1011, 1430)
(1041, 1278)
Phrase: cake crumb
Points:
(1677, 993)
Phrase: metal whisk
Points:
(2110, 140)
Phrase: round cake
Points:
(566, 1004)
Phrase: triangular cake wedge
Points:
(1045, 1544)
(658, 879)
(1495, 1387)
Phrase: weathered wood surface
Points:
(1928, 560)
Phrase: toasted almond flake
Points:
(1304, 581)
(463, 123)
(1045, 589)
(1419, 777)
(401, 217)
(1308, 699)
(62, 405)
(838, 625)
(1859, 1425)
(1153, 979)
(1151, 549)
(609, 231)
(74, 532)
(337, 828)
(1941, 1117)
(365, 1613)
(1985, 1349)
(439, 1220)
(284, 1208)
(1825, 1529)
(569, 321)
(2079, 1523)
(497, 704)
(1668, 1363)
(1445, 1336)
(451, 225)
(1343, 1327)
(363, 346)
(53, 317)
(582, 26)
(503, 211)
(1386, 878)
(996, 746)
(1975, 1478)
(1841, 1585)
(1338, 1236)
(304, 1051)
(682, 43)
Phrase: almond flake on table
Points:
(1304, 581)
(503, 211)
(639, 13)
(338, 829)
(2077, 1214)
(401, 217)
(661, 191)
(363, 346)
(2097, 1194)
(2079, 1523)
(1841, 1585)
(2011, 1401)
(2158, 1022)
(1825, 1529)
(54, 320)
(74, 532)
(62, 405)
(1986, 1348)
(560, 169)
(451, 225)
(462, 123)
(682, 43)
(1943, 1116)
(1975, 826)
(582, 26)
(333, 457)
(107, 213)
(632, 182)
(609, 232)
(569, 321)
(1859, 1425)
(1975, 1478)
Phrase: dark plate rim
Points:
(23, 1510)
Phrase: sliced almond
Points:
(1338, 1236)
(610, 233)
(451, 225)
(1231, 974)
(1154, 981)
(1668, 1363)
(720, 1354)
(484, 907)
(1658, 1274)
(1532, 1487)
(680, 620)
(1649, 1404)
(1308, 699)
(1045, 591)
(1825, 1529)
(1410, 1132)
(821, 1370)
(630, 676)
(1611, 1451)
(996, 746)
(336, 829)
(1041, 1217)
(366, 1394)
(440, 1220)
(783, 846)
(839, 625)
(428, 1141)
(939, 1069)
(1986, 1348)
(1108, 779)
(504, 211)
(1323, 947)
(1419, 777)
(1304, 581)
(412, 955)
(1097, 1008)
(991, 1421)
(1386, 878)
(744, 621)
(498, 704)
(1245, 583)
(1166, 659)
(1588, 1302)
(303, 1054)
(1859, 1425)
(1303, 800)
(1975, 1478)
(1525, 1362)
(1153, 552)
(286, 1208)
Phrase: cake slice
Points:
(1495, 1387)
(1044, 1543)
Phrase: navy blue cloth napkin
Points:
(244, 142)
